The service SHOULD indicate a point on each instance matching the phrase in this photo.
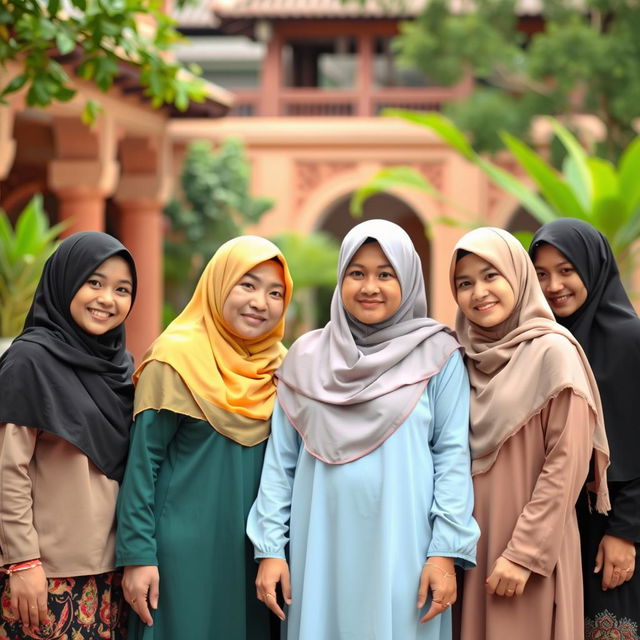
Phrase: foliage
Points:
(584, 61)
(217, 207)
(588, 187)
(23, 252)
(312, 260)
(102, 36)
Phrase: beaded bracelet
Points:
(23, 566)
(444, 573)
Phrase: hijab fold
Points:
(347, 387)
(59, 379)
(229, 378)
(517, 367)
(608, 329)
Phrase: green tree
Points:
(216, 206)
(584, 61)
(588, 187)
(99, 36)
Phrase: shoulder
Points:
(556, 345)
(22, 355)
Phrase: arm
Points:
(616, 556)
(18, 537)
(536, 540)
(268, 522)
(151, 435)
(454, 531)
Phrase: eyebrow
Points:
(380, 266)
(556, 265)
(489, 267)
(102, 275)
(252, 276)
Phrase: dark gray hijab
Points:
(347, 387)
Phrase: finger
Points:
(423, 589)
(491, 584)
(509, 590)
(270, 600)
(501, 588)
(34, 616)
(520, 588)
(154, 592)
(628, 574)
(139, 604)
(43, 611)
(435, 609)
(607, 575)
(23, 607)
(599, 559)
(285, 584)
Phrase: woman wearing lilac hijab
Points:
(366, 484)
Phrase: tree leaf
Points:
(629, 176)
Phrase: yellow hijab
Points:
(219, 369)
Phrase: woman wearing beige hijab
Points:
(535, 422)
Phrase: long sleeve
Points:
(624, 518)
(268, 523)
(18, 537)
(151, 434)
(455, 532)
(537, 537)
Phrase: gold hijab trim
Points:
(218, 367)
(160, 386)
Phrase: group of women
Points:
(389, 479)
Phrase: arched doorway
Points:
(337, 221)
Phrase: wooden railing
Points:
(320, 102)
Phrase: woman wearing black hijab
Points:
(580, 279)
(66, 398)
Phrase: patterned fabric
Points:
(606, 626)
(80, 608)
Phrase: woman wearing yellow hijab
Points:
(202, 412)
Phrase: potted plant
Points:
(23, 252)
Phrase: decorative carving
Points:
(310, 174)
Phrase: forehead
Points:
(472, 263)
(269, 271)
(548, 254)
(370, 252)
(115, 267)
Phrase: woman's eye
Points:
(566, 271)
(276, 294)
(463, 283)
(123, 290)
(540, 275)
(93, 283)
(385, 275)
(246, 285)
(356, 273)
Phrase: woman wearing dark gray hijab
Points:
(366, 485)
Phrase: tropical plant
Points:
(23, 252)
(582, 59)
(312, 260)
(588, 187)
(216, 206)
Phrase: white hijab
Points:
(347, 387)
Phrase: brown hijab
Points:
(516, 367)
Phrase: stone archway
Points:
(337, 221)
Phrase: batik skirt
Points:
(80, 608)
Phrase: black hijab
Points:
(57, 378)
(608, 329)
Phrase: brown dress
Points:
(524, 505)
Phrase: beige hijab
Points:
(516, 367)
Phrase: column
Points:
(7, 142)
(365, 75)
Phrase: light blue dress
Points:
(360, 532)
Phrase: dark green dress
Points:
(183, 506)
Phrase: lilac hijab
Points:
(347, 387)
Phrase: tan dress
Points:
(525, 508)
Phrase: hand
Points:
(439, 575)
(507, 578)
(141, 587)
(29, 596)
(618, 558)
(270, 572)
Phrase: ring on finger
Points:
(269, 595)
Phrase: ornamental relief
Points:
(310, 174)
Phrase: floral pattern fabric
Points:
(80, 608)
(607, 626)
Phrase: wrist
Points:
(25, 565)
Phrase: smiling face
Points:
(104, 300)
(562, 286)
(483, 294)
(370, 288)
(256, 303)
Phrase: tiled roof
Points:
(280, 9)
